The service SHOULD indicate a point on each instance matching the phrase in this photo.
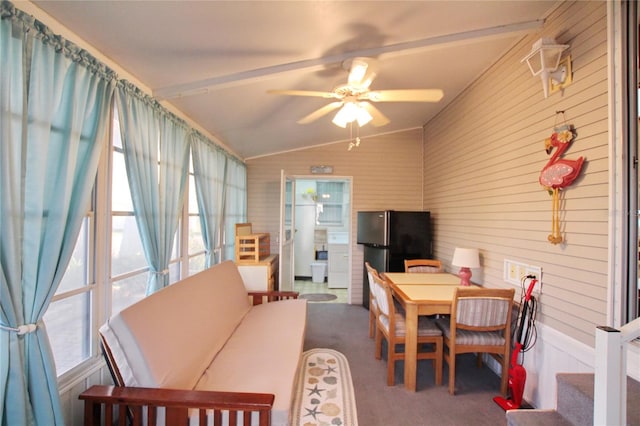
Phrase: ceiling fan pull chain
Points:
(351, 144)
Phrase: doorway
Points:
(322, 242)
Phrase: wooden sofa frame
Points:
(109, 401)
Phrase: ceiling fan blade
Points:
(377, 118)
(320, 112)
(362, 73)
(410, 95)
(303, 93)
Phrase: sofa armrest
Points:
(177, 403)
(259, 297)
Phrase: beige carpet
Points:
(324, 392)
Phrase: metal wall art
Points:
(559, 172)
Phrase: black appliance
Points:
(389, 237)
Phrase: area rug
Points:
(324, 391)
(318, 297)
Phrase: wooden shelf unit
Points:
(250, 247)
(258, 267)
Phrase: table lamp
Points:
(466, 258)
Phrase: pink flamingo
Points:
(559, 173)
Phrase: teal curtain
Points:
(235, 203)
(54, 105)
(156, 152)
(209, 164)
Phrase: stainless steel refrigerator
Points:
(389, 237)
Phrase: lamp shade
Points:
(466, 258)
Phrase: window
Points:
(330, 203)
(109, 251)
(195, 243)
(70, 314)
(129, 270)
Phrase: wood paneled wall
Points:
(483, 155)
(386, 172)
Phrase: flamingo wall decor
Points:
(559, 173)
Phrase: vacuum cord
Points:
(528, 334)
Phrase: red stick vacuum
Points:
(517, 373)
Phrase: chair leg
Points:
(479, 360)
(504, 383)
(391, 363)
(378, 353)
(437, 363)
(452, 373)
(372, 322)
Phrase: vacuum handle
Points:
(525, 312)
(527, 296)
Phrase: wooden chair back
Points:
(482, 309)
(373, 304)
(422, 265)
(384, 297)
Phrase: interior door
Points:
(287, 225)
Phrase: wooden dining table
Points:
(420, 294)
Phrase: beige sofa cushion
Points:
(169, 338)
(262, 355)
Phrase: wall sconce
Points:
(544, 60)
(466, 258)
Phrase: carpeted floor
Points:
(345, 328)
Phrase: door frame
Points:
(349, 215)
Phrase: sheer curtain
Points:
(156, 152)
(235, 203)
(54, 105)
(209, 165)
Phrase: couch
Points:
(206, 339)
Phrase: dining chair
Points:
(373, 303)
(480, 322)
(422, 265)
(391, 325)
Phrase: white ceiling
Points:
(215, 60)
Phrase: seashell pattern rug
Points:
(324, 391)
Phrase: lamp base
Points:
(465, 276)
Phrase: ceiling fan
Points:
(354, 98)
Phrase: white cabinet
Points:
(261, 275)
(338, 276)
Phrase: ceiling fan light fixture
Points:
(350, 112)
(346, 114)
(341, 118)
(362, 115)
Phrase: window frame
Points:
(99, 260)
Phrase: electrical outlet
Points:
(534, 271)
(515, 272)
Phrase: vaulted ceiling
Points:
(215, 60)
